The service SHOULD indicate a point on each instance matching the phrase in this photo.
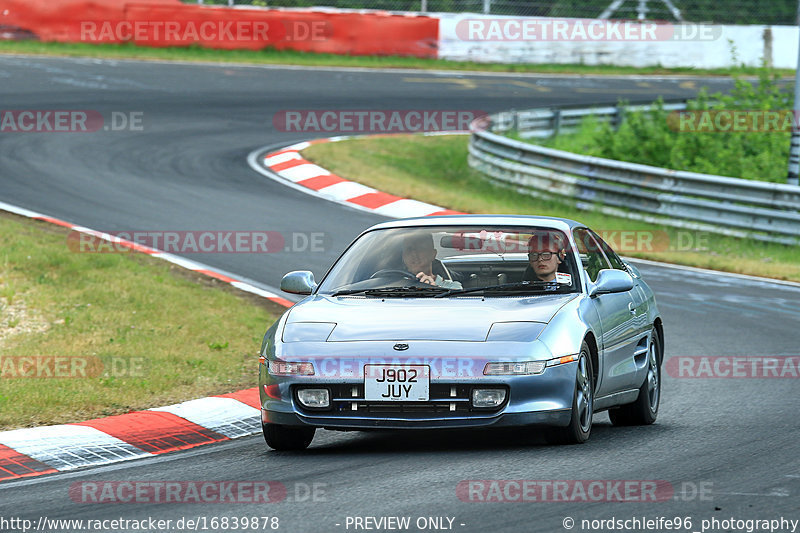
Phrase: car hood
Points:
(446, 319)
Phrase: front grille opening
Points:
(347, 400)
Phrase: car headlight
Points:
(524, 368)
(504, 369)
(283, 368)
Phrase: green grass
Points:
(435, 169)
(288, 57)
(188, 336)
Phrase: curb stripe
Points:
(227, 416)
(346, 190)
(246, 396)
(155, 432)
(67, 447)
(374, 199)
(216, 275)
(14, 465)
(282, 157)
(290, 165)
(446, 212)
(320, 182)
(303, 171)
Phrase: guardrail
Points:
(719, 204)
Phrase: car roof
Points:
(563, 224)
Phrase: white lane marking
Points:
(715, 273)
(67, 447)
(432, 72)
(171, 258)
(19, 210)
(778, 492)
(181, 262)
(253, 289)
(227, 416)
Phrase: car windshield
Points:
(450, 261)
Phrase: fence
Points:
(731, 206)
(779, 12)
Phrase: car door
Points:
(639, 311)
(617, 340)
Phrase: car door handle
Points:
(632, 308)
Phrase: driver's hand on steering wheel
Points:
(425, 278)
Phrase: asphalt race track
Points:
(728, 447)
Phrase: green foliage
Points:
(657, 137)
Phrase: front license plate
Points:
(397, 383)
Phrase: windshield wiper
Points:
(518, 287)
(395, 291)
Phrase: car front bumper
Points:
(544, 399)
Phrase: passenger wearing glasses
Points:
(545, 252)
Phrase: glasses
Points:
(544, 256)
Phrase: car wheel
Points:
(645, 409)
(287, 438)
(580, 423)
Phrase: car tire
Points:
(644, 410)
(580, 423)
(287, 438)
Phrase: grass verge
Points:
(434, 169)
(139, 332)
(290, 57)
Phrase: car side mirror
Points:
(609, 281)
(298, 282)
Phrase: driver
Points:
(419, 258)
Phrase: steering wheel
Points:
(384, 272)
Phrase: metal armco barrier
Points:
(731, 206)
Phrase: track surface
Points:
(187, 171)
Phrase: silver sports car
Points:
(464, 321)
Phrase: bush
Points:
(652, 137)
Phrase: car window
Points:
(592, 257)
(392, 261)
(611, 255)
